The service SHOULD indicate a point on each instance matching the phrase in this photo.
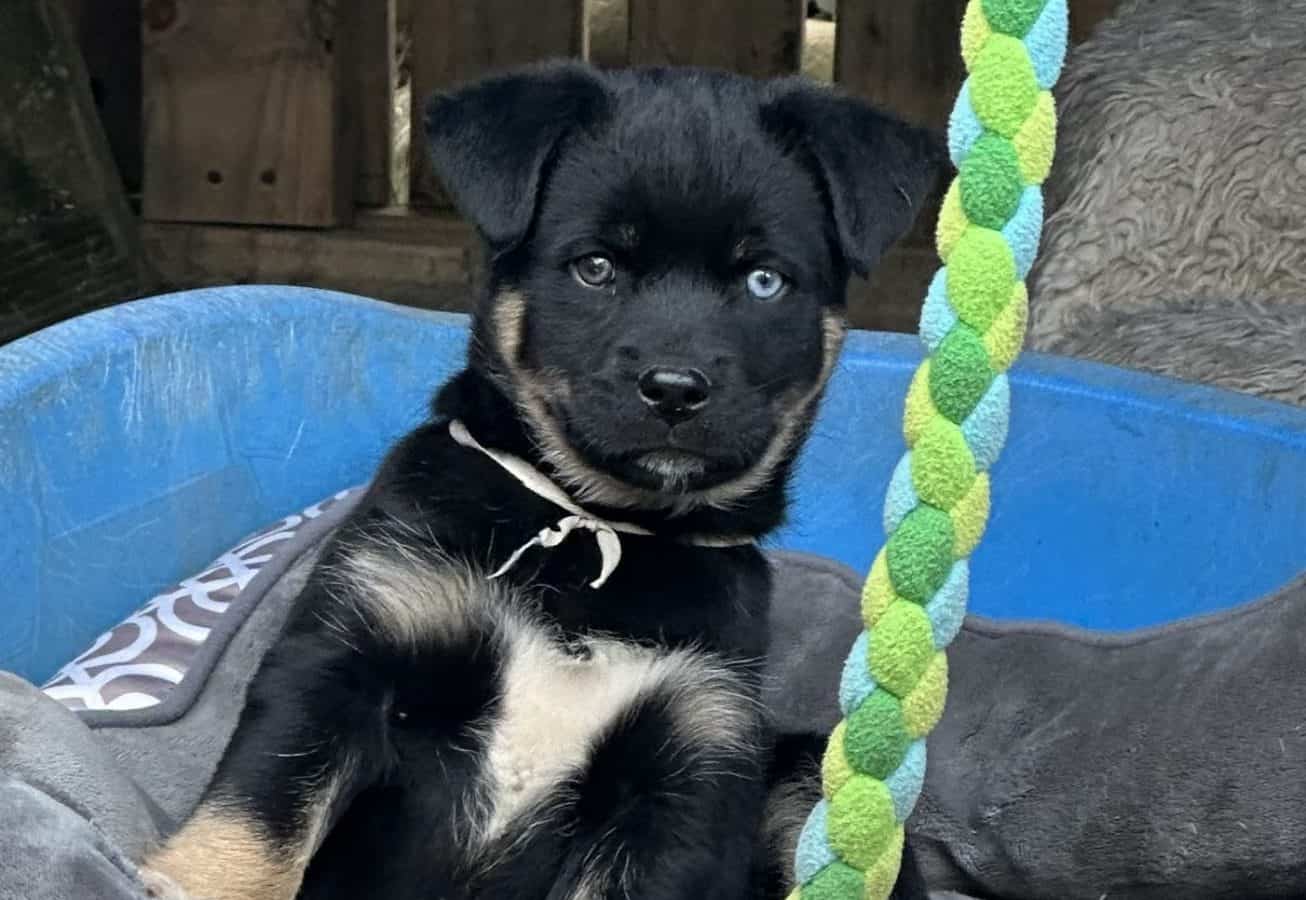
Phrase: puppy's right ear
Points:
(490, 141)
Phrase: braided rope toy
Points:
(1001, 138)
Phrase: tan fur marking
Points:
(509, 319)
(712, 709)
(222, 855)
(589, 484)
(409, 599)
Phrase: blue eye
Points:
(765, 284)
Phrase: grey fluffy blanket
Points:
(1176, 242)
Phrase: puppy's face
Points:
(670, 254)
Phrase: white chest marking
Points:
(555, 705)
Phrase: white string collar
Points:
(606, 532)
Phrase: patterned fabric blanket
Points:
(139, 663)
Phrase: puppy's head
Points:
(669, 252)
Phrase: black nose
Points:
(674, 394)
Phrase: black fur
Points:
(687, 181)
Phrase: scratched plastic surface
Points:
(138, 442)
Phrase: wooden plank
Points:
(401, 151)
(371, 68)
(891, 300)
(434, 262)
(455, 41)
(904, 57)
(68, 243)
(417, 260)
(755, 37)
(242, 102)
(607, 24)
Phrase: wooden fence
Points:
(274, 130)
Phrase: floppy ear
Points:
(491, 140)
(876, 169)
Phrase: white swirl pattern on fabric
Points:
(138, 662)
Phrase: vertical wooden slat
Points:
(455, 41)
(607, 24)
(242, 112)
(904, 57)
(371, 67)
(754, 37)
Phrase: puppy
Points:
(528, 665)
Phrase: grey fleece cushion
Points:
(1161, 764)
(48, 851)
(70, 818)
(45, 746)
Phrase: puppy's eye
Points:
(765, 284)
(594, 271)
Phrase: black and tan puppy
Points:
(528, 665)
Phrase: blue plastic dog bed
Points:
(139, 443)
(136, 441)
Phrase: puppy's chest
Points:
(511, 685)
(660, 592)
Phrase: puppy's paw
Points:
(161, 887)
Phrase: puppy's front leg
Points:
(292, 762)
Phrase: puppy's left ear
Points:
(876, 169)
(491, 140)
